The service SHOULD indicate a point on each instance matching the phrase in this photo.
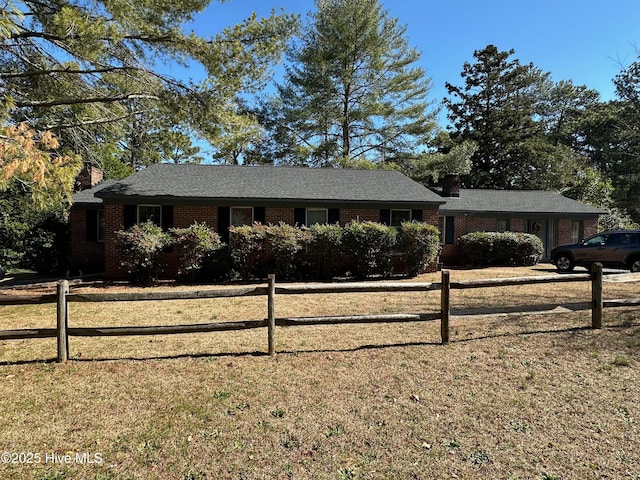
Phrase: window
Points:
(577, 231)
(100, 226)
(502, 225)
(150, 213)
(399, 216)
(596, 241)
(316, 215)
(95, 225)
(447, 232)
(241, 216)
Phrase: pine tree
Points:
(352, 90)
(92, 72)
(500, 109)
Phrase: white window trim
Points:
(159, 223)
(306, 215)
(253, 213)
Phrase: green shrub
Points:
(282, 243)
(501, 248)
(322, 246)
(219, 265)
(419, 243)
(247, 245)
(372, 245)
(193, 245)
(322, 251)
(141, 247)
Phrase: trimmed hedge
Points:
(247, 244)
(194, 245)
(316, 252)
(321, 251)
(501, 248)
(142, 246)
(326, 251)
(420, 244)
(371, 244)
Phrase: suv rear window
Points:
(624, 239)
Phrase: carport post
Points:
(62, 321)
(596, 295)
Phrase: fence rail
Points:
(63, 297)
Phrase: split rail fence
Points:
(63, 297)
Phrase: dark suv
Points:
(616, 249)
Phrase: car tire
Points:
(634, 266)
(564, 263)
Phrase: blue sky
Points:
(586, 41)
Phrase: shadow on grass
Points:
(476, 338)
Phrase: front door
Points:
(547, 231)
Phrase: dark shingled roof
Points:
(527, 202)
(87, 197)
(171, 182)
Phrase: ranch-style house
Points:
(175, 195)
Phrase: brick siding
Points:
(275, 215)
(86, 256)
(452, 255)
(184, 215)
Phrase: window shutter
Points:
(385, 216)
(92, 225)
(259, 215)
(416, 215)
(300, 216)
(449, 234)
(167, 217)
(333, 216)
(224, 220)
(130, 216)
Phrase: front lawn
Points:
(511, 397)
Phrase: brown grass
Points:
(528, 397)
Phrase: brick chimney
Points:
(89, 176)
(451, 185)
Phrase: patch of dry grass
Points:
(519, 397)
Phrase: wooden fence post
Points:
(271, 318)
(62, 321)
(596, 295)
(445, 306)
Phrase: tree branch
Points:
(68, 70)
(77, 101)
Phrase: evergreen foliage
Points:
(142, 246)
(352, 90)
(194, 245)
(501, 248)
(420, 244)
(504, 108)
(325, 251)
(371, 244)
(92, 72)
(322, 249)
